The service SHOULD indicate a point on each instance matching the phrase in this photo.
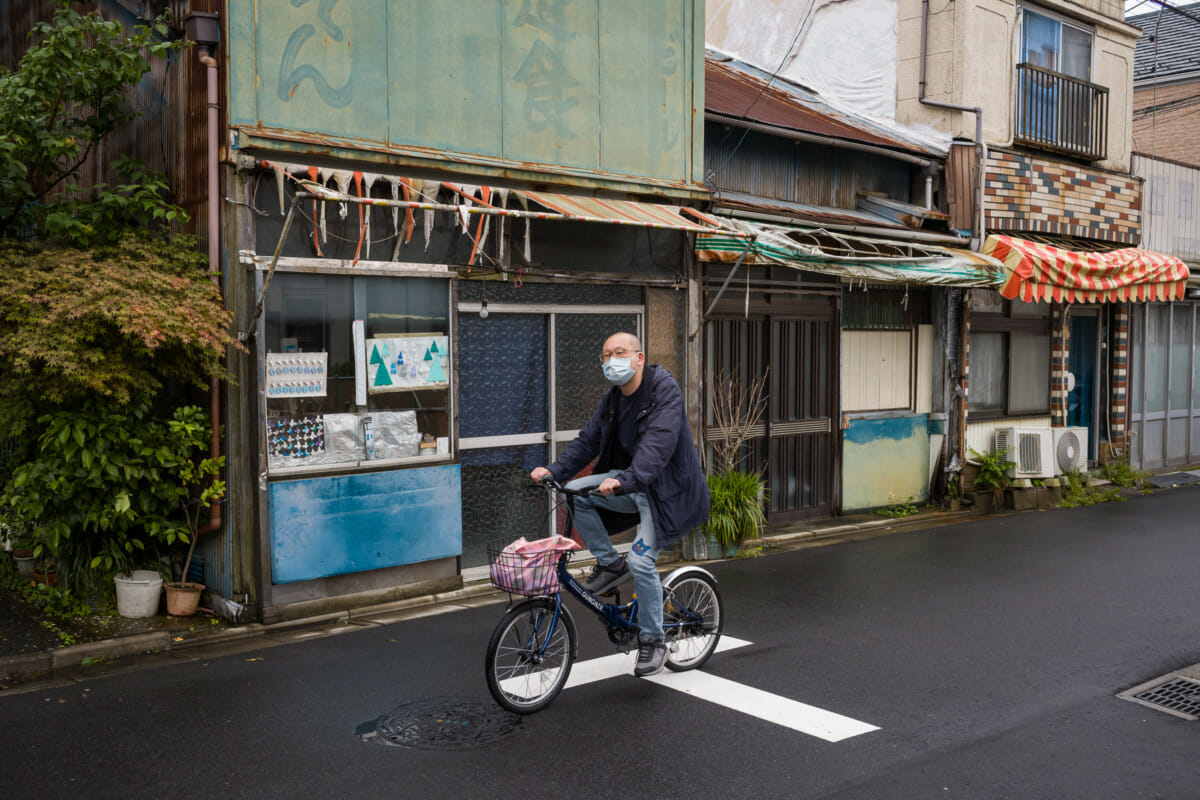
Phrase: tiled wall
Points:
(1120, 377)
(1040, 195)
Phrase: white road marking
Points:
(614, 666)
(765, 706)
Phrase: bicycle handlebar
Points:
(550, 483)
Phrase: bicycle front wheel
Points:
(529, 656)
(692, 619)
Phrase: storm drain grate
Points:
(441, 723)
(1173, 694)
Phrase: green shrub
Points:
(993, 473)
(736, 513)
(108, 487)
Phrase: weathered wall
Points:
(817, 43)
(885, 461)
(607, 92)
(971, 59)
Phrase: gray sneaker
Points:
(652, 656)
(605, 577)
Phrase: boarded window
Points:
(877, 370)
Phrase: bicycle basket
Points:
(527, 568)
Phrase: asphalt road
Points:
(988, 654)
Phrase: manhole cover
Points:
(1173, 694)
(443, 723)
(1173, 479)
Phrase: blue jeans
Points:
(642, 555)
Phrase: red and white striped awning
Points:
(624, 212)
(1041, 272)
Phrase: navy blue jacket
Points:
(664, 463)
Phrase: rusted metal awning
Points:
(560, 206)
(850, 256)
(1036, 271)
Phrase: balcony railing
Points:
(1062, 114)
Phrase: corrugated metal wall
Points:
(799, 172)
(163, 137)
(1170, 207)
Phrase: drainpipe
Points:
(957, 414)
(976, 110)
(204, 29)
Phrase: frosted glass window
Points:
(502, 375)
(1030, 364)
(1181, 356)
(1196, 363)
(1157, 341)
(1135, 359)
(578, 340)
(988, 371)
(499, 502)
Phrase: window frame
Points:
(1008, 323)
(1061, 20)
(357, 292)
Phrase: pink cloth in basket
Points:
(526, 567)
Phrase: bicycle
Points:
(531, 651)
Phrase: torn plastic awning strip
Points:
(855, 257)
(562, 207)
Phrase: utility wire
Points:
(1175, 9)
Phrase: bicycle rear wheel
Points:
(692, 619)
(529, 655)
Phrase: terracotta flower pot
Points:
(41, 575)
(183, 598)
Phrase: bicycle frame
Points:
(617, 618)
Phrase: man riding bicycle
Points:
(647, 472)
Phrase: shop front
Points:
(398, 406)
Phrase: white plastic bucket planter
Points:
(138, 594)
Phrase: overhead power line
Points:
(1176, 10)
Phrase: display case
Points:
(356, 372)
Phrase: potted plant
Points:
(736, 510)
(992, 480)
(735, 514)
(197, 486)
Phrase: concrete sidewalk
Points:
(186, 638)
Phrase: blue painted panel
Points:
(885, 461)
(352, 523)
(865, 431)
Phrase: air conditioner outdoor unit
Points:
(1070, 450)
(1030, 449)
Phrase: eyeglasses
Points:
(618, 352)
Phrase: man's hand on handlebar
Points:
(609, 486)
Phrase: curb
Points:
(64, 662)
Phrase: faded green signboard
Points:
(606, 91)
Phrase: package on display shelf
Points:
(393, 434)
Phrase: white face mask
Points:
(618, 371)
